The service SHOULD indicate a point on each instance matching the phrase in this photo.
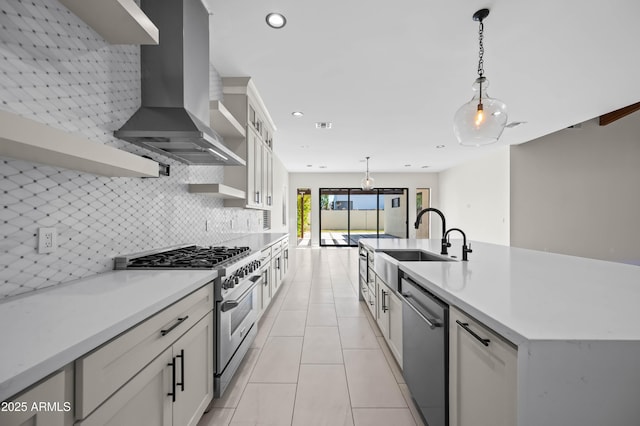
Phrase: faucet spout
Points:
(444, 226)
(465, 249)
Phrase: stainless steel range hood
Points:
(174, 117)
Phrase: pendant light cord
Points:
(368, 168)
(481, 56)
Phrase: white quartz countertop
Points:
(256, 241)
(43, 332)
(528, 295)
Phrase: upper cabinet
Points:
(254, 144)
(30, 140)
(117, 21)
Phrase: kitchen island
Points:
(574, 322)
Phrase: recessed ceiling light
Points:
(304, 146)
(276, 20)
(439, 146)
(324, 125)
(309, 165)
(407, 165)
(297, 113)
(322, 167)
(424, 167)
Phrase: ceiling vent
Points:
(324, 125)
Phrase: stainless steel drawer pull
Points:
(432, 323)
(177, 323)
(465, 325)
(385, 308)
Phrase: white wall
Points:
(577, 191)
(475, 197)
(394, 216)
(315, 181)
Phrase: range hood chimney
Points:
(174, 117)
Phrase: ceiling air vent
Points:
(324, 125)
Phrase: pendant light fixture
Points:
(481, 120)
(368, 182)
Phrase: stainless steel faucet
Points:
(444, 226)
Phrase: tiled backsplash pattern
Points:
(56, 70)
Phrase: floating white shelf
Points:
(217, 190)
(224, 123)
(117, 21)
(30, 140)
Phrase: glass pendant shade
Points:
(367, 183)
(481, 120)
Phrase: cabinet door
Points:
(22, 412)
(267, 172)
(193, 358)
(258, 173)
(142, 401)
(275, 273)
(382, 311)
(395, 326)
(482, 376)
(266, 287)
(252, 141)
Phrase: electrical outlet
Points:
(47, 240)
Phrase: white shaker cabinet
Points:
(243, 101)
(173, 390)
(25, 409)
(482, 374)
(389, 318)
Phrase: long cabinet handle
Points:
(385, 308)
(177, 323)
(465, 325)
(181, 383)
(172, 394)
(432, 323)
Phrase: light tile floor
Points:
(318, 358)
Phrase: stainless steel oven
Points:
(235, 284)
(236, 318)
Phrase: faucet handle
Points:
(468, 248)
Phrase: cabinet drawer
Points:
(276, 248)
(103, 371)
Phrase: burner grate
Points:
(188, 257)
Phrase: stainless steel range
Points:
(235, 292)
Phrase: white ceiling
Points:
(390, 75)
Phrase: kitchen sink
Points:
(415, 256)
(386, 262)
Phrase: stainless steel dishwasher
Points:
(425, 351)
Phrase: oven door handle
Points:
(230, 304)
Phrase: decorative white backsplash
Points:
(56, 70)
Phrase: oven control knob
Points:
(240, 273)
(236, 280)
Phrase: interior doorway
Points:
(304, 217)
(423, 201)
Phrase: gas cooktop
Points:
(185, 257)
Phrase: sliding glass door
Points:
(348, 214)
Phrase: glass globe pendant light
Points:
(367, 182)
(481, 120)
